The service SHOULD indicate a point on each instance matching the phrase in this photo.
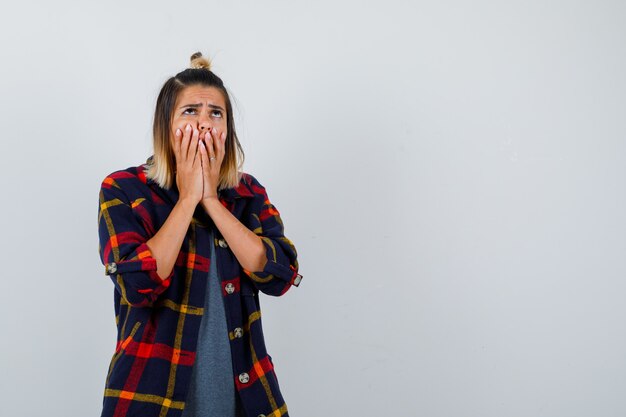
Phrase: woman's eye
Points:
(217, 113)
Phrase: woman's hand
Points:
(188, 164)
(212, 151)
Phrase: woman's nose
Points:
(204, 123)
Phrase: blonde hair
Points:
(160, 167)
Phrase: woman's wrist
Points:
(187, 204)
(207, 202)
(211, 197)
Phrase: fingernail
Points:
(188, 127)
(178, 132)
(223, 135)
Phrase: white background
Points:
(452, 174)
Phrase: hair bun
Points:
(199, 62)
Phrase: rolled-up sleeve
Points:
(281, 269)
(126, 257)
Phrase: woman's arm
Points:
(259, 243)
(128, 260)
(246, 246)
(166, 243)
(280, 272)
(140, 265)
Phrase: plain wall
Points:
(452, 174)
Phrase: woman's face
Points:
(203, 108)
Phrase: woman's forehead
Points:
(197, 94)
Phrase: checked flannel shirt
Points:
(158, 318)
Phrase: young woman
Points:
(189, 240)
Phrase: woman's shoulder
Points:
(252, 181)
(249, 186)
(131, 179)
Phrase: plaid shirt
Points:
(158, 320)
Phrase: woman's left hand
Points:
(212, 151)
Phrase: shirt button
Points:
(230, 288)
(238, 332)
(244, 378)
(111, 268)
(222, 243)
(297, 280)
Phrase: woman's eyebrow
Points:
(213, 106)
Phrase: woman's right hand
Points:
(188, 164)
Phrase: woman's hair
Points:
(161, 166)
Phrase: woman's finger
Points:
(184, 146)
(176, 143)
(211, 146)
(203, 156)
(217, 143)
(222, 143)
(193, 147)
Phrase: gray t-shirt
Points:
(212, 389)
